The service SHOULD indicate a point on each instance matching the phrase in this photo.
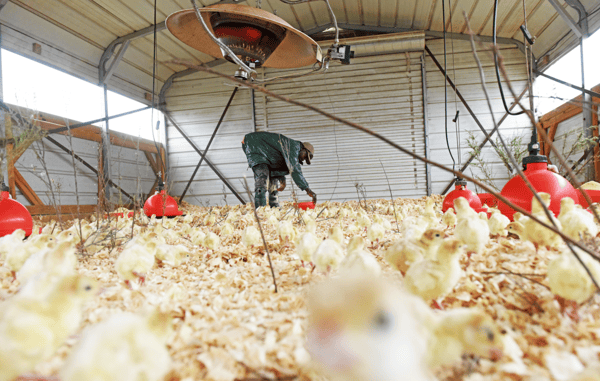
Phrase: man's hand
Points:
(312, 194)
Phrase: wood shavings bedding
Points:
(229, 324)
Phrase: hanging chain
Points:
(259, 4)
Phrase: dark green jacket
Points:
(279, 152)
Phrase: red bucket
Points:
(306, 205)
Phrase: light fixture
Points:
(257, 37)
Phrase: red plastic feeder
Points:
(306, 205)
(460, 190)
(159, 202)
(13, 215)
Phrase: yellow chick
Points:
(362, 220)
(134, 263)
(519, 217)
(328, 255)
(591, 185)
(403, 252)
(172, 255)
(536, 233)
(210, 219)
(188, 218)
(251, 237)
(434, 279)
(10, 242)
(306, 246)
(472, 231)
(48, 265)
(497, 224)
(449, 218)
(68, 236)
(516, 228)
(285, 230)
(212, 241)
(362, 328)
(356, 243)
(576, 223)
(463, 331)
(568, 279)
(310, 225)
(227, 229)
(197, 237)
(31, 330)
(335, 233)
(16, 258)
(272, 220)
(375, 233)
(123, 347)
(361, 261)
(463, 209)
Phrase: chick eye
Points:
(88, 288)
(437, 235)
(383, 320)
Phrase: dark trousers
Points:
(263, 181)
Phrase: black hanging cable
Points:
(446, 88)
(496, 65)
(153, 102)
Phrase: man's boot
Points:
(274, 199)
(260, 197)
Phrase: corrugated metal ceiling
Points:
(99, 22)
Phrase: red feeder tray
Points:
(306, 205)
(159, 202)
(13, 216)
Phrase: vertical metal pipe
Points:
(253, 102)
(166, 145)
(3, 160)
(209, 143)
(106, 149)
(586, 112)
(425, 124)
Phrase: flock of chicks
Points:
(384, 266)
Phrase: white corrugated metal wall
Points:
(196, 103)
(462, 69)
(382, 93)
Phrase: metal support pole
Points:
(3, 158)
(85, 163)
(583, 90)
(106, 149)
(567, 18)
(105, 119)
(115, 63)
(425, 124)
(235, 89)
(208, 162)
(586, 114)
(484, 142)
(464, 102)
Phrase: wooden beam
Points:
(27, 191)
(63, 209)
(153, 189)
(551, 135)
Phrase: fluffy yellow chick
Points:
(212, 241)
(568, 279)
(210, 219)
(576, 223)
(361, 261)
(516, 228)
(472, 231)
(52, 262)
(310, 225)
(362, 220)
(356, 243)
(591, 185)
(306, 246)
(31, 330)
(67, 236)
(463, 209)
(328, 255)
(251, 237)
(123, 347)
(197, 237)
(11, 242)
(188, 218)
(336, 233)
(227, 229)
(172, 255)
(434, 279)
(463, 331)
(362, 328)
(536, 233)
(404, 252)
(375, 233)
(285, 230)
(449, 218)
(16, 258)
(497, 224)
(134, 263)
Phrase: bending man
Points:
(273, 156)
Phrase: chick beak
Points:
(495, 354)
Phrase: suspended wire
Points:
(456, 119)
(446, 88)
(496, 65)
(153, 90)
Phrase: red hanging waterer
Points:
(161, 202)
(460, 190)
(13, 215)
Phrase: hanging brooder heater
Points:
(13, 215)
(257, 37)
(161, 204)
